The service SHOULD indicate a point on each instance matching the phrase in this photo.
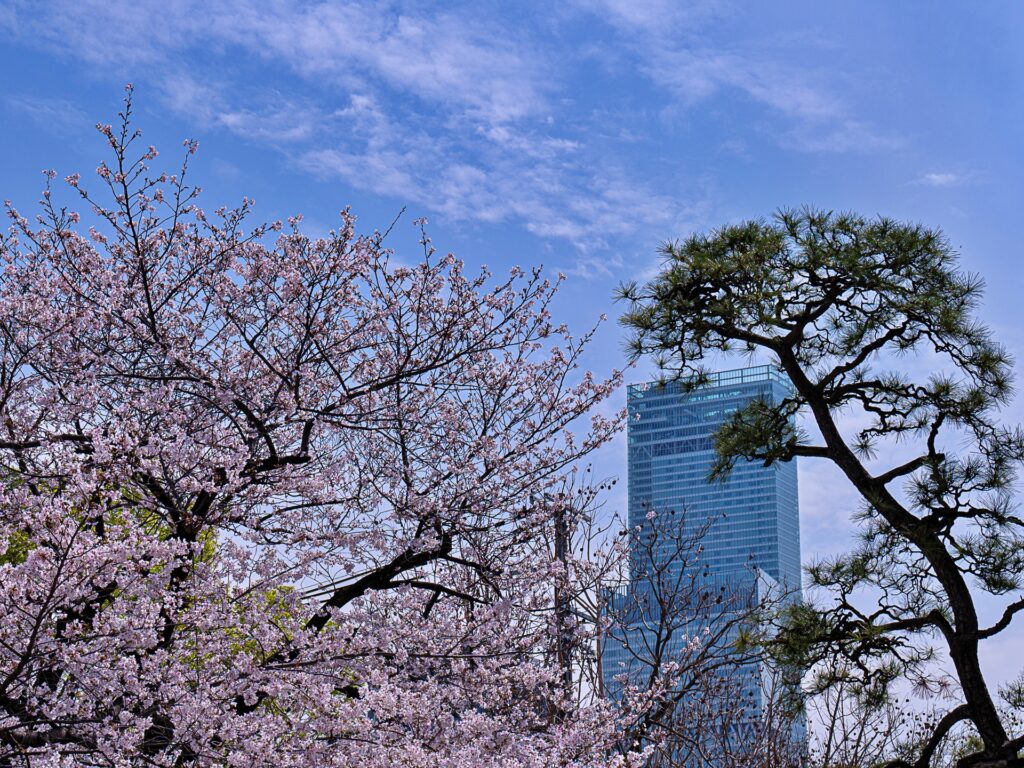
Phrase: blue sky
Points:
(578, 136)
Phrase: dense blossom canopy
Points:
(277, 502)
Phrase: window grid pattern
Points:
(755, 511)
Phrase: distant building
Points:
(752, 546)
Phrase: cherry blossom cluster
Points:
(276, 500)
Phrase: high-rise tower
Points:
(753, 535)
(670, 456)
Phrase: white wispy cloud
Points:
(448, 58)
(661, 17)
(562, 193)
(265, 116)
(670, 42)
(453, 112)
(940, 179)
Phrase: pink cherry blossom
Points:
(272, 500)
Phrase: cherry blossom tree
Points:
(270, 499)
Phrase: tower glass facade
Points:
(752, 542)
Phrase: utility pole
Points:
(563, 600)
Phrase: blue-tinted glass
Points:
(753, 542)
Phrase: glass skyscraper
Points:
(752, 542)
